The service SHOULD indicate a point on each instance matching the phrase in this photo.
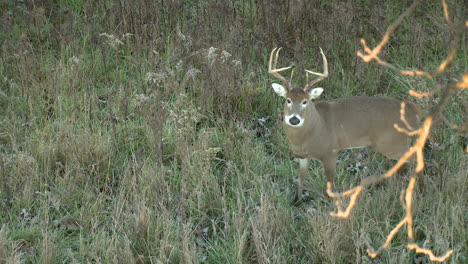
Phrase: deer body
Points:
(319, 130)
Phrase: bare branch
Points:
(415, 72)
(372, 54)
(375, 57)
(402, 116)
(403, 130)
(453, 126)
(446, 13)
(353, 194)
(422, 133)
(463, 84)
(428, 252)
(408, 220)
(419, 94)
(374, 253)
(448, 60)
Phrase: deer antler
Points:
(322, 75)
(274, 71)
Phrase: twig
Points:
(372, 54)
(447, 60)
(428, 252)
(402, 116)
(404, 130)
(419, 94)
(353, 194)
(422, 133)
(407, 220)
(463, 84)
(453, 126)
(446, 13)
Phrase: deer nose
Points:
(294, 121)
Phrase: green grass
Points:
(150, 151)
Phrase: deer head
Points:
(297, 99)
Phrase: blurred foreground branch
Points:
(446, 91)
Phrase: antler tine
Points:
(274, 71)
(321, 75)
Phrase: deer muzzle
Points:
(294, 120)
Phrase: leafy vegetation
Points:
(147, 132)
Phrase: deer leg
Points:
(302, 171)
(329, 165)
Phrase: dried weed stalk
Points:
(156, 117)
(156, 110)
(422, 133)
(193, 149)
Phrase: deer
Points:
(318, 130)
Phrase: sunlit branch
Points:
(407, 220)
(446, 13)
(422, 134)
(453, 126)
(429, 253)
(402, 116)
(374, 253)
(447, 60)
(372, 54)
(404, 130)
(463, 84)
(353, 194)
(419, 94)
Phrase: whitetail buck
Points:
(319, 130)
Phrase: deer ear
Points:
(315, 93)
(279, 89)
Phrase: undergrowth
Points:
(148, 133)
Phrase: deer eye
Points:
(288, 101)
(304, 102)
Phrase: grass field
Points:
(148, 132)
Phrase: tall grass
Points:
(134, 133)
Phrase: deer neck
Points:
(300, 138)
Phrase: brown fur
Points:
(340, 124)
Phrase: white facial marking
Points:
(287, 117)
